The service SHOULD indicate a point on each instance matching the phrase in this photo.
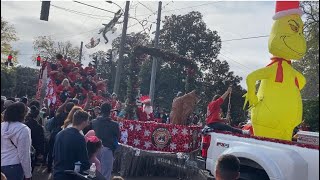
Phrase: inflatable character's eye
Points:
(294, 28)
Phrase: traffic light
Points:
(9, 61)
(38, 60)
(109, 56)
(45, 7)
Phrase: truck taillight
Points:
(205, 143)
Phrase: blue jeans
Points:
(106, 159)
(13, 172)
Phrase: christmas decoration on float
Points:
(277, 107)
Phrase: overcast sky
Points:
(231, 19)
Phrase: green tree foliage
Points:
(48, 48)
(8, 35)
(189, 36)
(107, 68)
(19, 81)
(309, 65)
(311, 113)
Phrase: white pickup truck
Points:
(262, 158)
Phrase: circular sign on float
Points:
(161, 137)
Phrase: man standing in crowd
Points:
(54, 126)
(70, 147)
(214, 111)
(227, 167)
(109, 132)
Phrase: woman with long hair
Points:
(68, 122)
(15, 143)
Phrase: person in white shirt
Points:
(15, 143)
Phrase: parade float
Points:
(145, 144)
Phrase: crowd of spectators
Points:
(29, 138)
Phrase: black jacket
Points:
(107, 130)
(37, 135)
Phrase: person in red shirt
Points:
(60, 60)
(74, 75)
(90, 70)
(214, 112)
(145, 113)
(114, 100)
(102, 86)
(57, 75)
(69, 65)
(98, 99)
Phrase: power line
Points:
(94, 7)
(188, 7)
(146, 6)
(80, 13)
(235, 61)
(253, 37)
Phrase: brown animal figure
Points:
(182, 107)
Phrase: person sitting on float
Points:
(116, 111)
(98, 98)
(214, 119)
(79, 91)
(64, 90)
(90, 70)
(145, 113)
(97, 77)
(102, 85)
(61, 61)
(69, 65)
(89, 84)
(81, 69)
(57, 75)
(114, 100)
(74, 75)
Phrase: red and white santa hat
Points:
(285, 8)
(145, 99)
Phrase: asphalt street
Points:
(40, 173)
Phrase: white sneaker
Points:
(246, 132)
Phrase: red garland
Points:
(309, 146)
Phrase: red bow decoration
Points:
(93, 139)
(279, 75)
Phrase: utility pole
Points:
(121, 50)
(81, 46)
(155, 59)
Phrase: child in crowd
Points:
(94, 145)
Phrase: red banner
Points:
(160, 137)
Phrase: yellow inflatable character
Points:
(277, 107)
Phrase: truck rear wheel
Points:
(249, 173)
